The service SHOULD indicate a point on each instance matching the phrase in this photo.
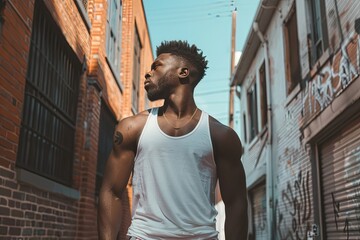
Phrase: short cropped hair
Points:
(192, 54)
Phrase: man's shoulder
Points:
(130, 128)
(221, 132)
(225, 140)
(135, 122)
(218, 127)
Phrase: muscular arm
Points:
(228, 151)
(116, 176)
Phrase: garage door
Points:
(258, 198)
(340, 179)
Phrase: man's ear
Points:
(184, 73)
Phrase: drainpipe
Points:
(269, 163)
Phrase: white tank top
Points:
(174, 184)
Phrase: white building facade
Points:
(299, 89)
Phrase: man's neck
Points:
(179, 108)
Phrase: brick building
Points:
(69, 70)
(298, 80)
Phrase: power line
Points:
(190, 14)
(196, 8)
(192, 10)
(216, 9)
(212, 102)
(221, 117)
(180, 21)
(212, 92)
(177, 8)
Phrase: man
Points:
(176, 153)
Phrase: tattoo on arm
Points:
(118, 138)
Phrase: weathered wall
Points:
(300, 120)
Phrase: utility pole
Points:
(232, 67)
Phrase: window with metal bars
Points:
(245, 128)
(263, 95)
(252, 110)
(106, 132)
(136, 72)
(113, 38)
(47, 132)
(319, 40)
(292, 53)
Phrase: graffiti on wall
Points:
(335, 76)
(346, 210)
(294, 205)
(259, 212)
(261, 217)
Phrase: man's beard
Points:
(160, 90)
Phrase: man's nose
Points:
(148, 74)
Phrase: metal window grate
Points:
(48, 124)
(113, 35)
(317, 29)
(245, 128)
(136, 72)
(263, 95)
(107, 127)
(252, 108)
(293, 68)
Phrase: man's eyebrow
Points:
(157, 62)
(153, 64)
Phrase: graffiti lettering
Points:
(346, 228)
(332, 78)
(260, 214)
(297, 203)
(336, 206)
(347, 71)
(261, 220)
(323, 92)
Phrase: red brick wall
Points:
(14, 50)
(127, 44)
(25, 209)
(133, 15)
(99, 68)
(29, 212)
(87, 205)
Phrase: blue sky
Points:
(206, 23)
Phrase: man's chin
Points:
(153, 98)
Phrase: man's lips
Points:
(147, 82)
